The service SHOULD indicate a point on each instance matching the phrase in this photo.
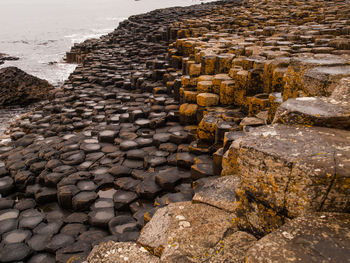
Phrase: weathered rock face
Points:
(173, 232)
(289, 170)
(20, 88)
(218, 192)
(319, 237)
(332, 112)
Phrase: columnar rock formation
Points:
(220, 130)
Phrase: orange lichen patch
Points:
(190, 96)
(204, 86)
(257, 103)
(227, 89)
(217, 82)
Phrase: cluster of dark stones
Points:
(97, 160)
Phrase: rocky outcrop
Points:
(20, 88)
(4, 57)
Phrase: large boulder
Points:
(286, 171)
(20, 88)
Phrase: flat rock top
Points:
(319, 237)
(318, 107)
(317, 147)
(120, 252)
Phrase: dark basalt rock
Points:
(38, 242)
(168, 178)
(20, 88)
(122, 199)
(83, 200)
(59, 241)
(119, 171)
(6, 185)
(101, 217)
(30, 218)
(14, 252)
(73, 229)
(8, 225)
(16, 236)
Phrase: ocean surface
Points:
(40, 32)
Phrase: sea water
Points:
(40, 32)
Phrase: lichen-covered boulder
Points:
(185, 231)
(315, 237)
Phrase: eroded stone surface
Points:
(319, 237)
(120, 252)
(304, 170)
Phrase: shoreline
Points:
(225, 118)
